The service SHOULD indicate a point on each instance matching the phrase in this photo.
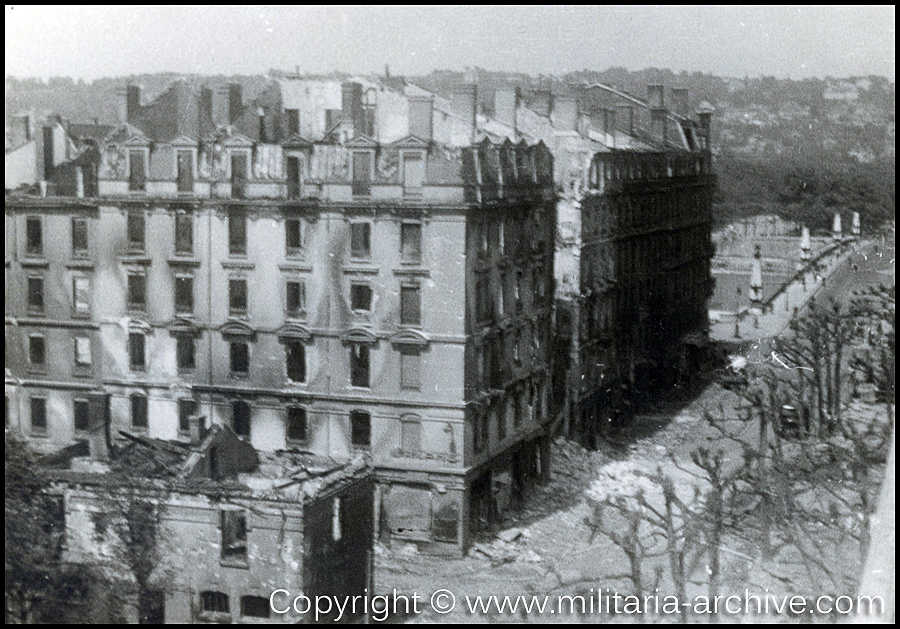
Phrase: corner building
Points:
(333, 267)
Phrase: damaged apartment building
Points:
(221, 526)
(332, 266)
(635, 186)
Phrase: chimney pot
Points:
(680, 101)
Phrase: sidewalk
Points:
(773, 322)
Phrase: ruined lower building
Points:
(205, 530)
(333, 266)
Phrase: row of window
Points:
(360, 236)
(495, 356)
(524, 405)
(239, 355)
(492, 302)
(295, 297)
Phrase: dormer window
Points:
(240, 173)
(413, 173)
(363, 173)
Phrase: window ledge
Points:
(234, 562)
(80, 264)
(184, 261)
(238, 264)
(366, 270)
(34, 262)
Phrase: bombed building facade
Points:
(334, 266)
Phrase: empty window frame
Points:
(139, 415)
(37, 351)
(293, 231)
(359, 365)
(239, 174)
(81, 417)
(240, 358)
(79, 237)
(294, 183)
(413, 173)
(34, 236)
(137, 291)
(411, 243)
(297, 429)
(214, 602)
(237, 296)
(410, 305)
(137, 171)
(360, 240)
(186, 409)
(360, 297)
(240, 418)
(39, 415)
(295, 298)
(410, 433)
(362, 173)
(184, 233)
(137, 351)
(185, 172)
(360, 429)
(137, 231)
(295, 361)
(234, 534)
(35, 294)
(81, 296)
(184, 294)
(255, 607)
(237, 232)
(185, 352)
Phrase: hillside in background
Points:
(800, 149)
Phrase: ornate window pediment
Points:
(293, 332)
(409, 337)
(236, 140)
(412, 142)
(297, 141)
(237, 329)
(359, 335)
(181, 326)
(362, 142)
(139, 325)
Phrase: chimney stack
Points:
(656, 95)
(565, 114)
(680, 101)
(197, 428)
(351, 105)
(543, 102)
(132, 102)
(506, 105)
(235, 102)
(421, 112)
(659, 120)
(464, 103)
(705, 118)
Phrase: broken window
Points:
(234, 534)
(296, 424)
(138, 411)
(34, 236)
(79, 236)
(81, 415)
(255, 607)
(136, 231)
(362, 173)
(411, 242)
(360, 240)
(185, 171)
(359, 365)
(445, 526)
(238, 175)
(409, 511)
(237, 297)
(137, 171)
(413, 174)
(184, 294)
(293, 121)
(37, 352)
(137, 291)
(410, 366)
(237, 232)
(36, 295)
(184, 233)
(240, 358)
(360, 428)
(136, 353)
(39, 415)
(295, 298)
(240, 418)
(186, 409)
(82, 351)
(215, 602)
(293, 236)
(360, 297)
(410, 434)
(184, 350)
(295, 357)
(410, 306)
(81, 296)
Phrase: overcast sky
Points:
(795, 42)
